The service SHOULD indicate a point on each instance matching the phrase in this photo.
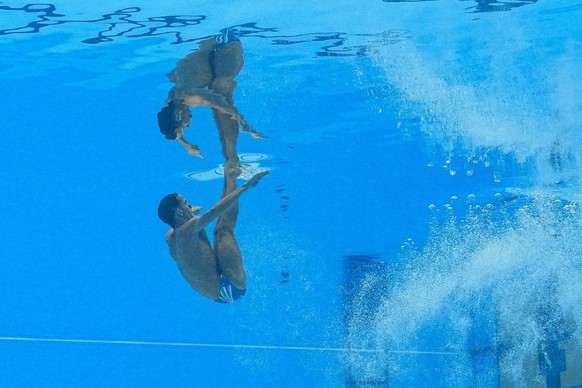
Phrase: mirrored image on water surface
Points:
(316, 194)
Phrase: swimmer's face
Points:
(182, 117)
(185, 211)
(173, 119)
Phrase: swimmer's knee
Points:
(223, 85)
(224, 228)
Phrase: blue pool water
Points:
(420, 225)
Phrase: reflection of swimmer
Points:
(218, 272)
(206, 78)
(249, 166)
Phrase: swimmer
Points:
(214, 272)
(206, 78)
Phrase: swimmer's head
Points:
(173, 119)
(174, 210)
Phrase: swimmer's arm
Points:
(228, 201)
(191, 226)
(220, 207)
(203, 97)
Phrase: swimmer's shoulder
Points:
(169, 236)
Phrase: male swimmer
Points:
(206, 78)
(215, 272)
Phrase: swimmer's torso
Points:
(197, 261)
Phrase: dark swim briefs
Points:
(228, 292)
(227, 37)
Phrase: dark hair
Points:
(167, 121)
(167, 207)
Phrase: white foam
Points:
(520, 262)
(478, 90)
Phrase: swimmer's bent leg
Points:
(227, 250)
(228, 60)
(225, 245)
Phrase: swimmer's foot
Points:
(256, 178)
(242, 171)
(232, 169)
(256, 135)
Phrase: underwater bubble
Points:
(452, 172)
(470, 172)
(518, 265)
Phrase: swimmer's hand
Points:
(256, 178)
(192, 149)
